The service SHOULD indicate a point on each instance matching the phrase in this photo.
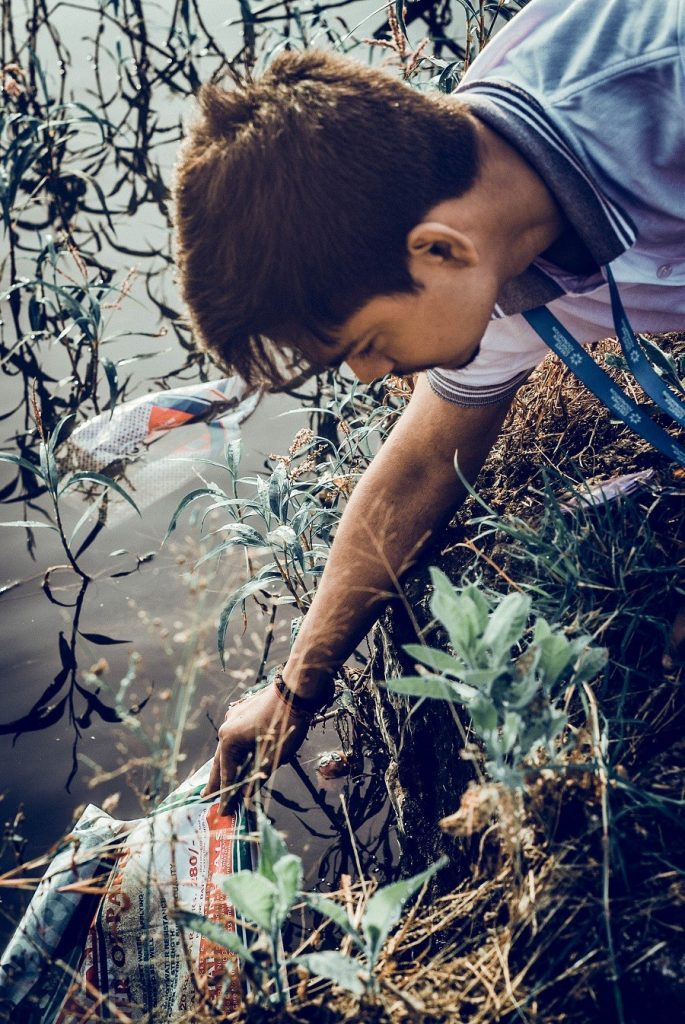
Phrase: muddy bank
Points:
(600, 843)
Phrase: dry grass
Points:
(573, 906)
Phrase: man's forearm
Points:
(406, 493)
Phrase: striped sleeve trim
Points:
(470, 396)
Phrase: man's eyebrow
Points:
(339, 360)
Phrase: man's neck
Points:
(570, 253)
(513, 216)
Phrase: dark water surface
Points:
(163, 610)
(167, 614)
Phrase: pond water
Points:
(94, 98)
(102, 218)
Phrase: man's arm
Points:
(409, 489)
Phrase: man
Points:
(329, 213)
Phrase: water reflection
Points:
(111, 678)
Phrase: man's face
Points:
(441, 324)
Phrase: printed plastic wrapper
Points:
(606, 491)
(99, 940)
(119, 443)
(108, 438)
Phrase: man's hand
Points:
(259, 733)
(409, 489)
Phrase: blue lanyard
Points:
(571, 352)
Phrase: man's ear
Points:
(432, 242)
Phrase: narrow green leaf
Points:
(104, 481)
(235, 542)
(17, 460)
(56, 435)
(278, 491)
(102, 639)
(232, 455)
(283, 536)
(663, 362)
(31, 524)
(399, 14)
(199, 492)
(91, 510)
(253, 586)
(243, 530)
(112, 375)
(271, 846)
(49, 468)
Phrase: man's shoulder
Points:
(555, 49)
(592, 95)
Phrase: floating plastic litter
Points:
(119, 444)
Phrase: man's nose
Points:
(370, 368)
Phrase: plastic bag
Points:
(151, 442)
(99, 937)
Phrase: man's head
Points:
(295, 199)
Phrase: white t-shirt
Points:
(593, 96)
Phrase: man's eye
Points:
(367, 350)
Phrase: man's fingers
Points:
(214, 780)
(233, 771)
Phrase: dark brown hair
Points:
(294, 196)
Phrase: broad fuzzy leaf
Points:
(507, 622)
(337, 967)
(591, 662)
(271, 846)
(288, 872)
(429, 686)
(484, 716)
(439, 661)
(458, 613)
(481, 603)
(253, 896)
(556, 654)
(335, 913)
(214, 932)
(385, 908)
